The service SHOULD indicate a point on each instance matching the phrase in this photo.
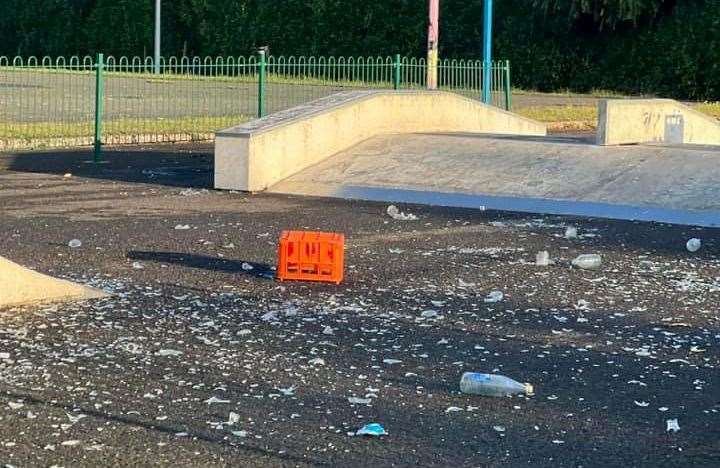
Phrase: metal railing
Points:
(107, 100)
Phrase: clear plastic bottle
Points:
(588, 261)
(475, 383)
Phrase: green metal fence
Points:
(106, 100)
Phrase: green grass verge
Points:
(156, 126)
(587, 115)
(710, 108)
(559, 113)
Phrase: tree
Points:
(606, 13)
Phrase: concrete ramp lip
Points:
(23, 286)
(256, 155)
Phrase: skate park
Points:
(650, 160)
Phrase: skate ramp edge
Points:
(21, 286)
(256, 155)
(665, 121)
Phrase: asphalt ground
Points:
(198, 360)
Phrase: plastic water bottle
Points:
(474, 383)
(588, 261)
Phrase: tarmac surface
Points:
(199, 360)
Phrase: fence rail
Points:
(70, 101)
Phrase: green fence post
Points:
(508, 87)
(262, 70)
(99, 100)
(397, 72)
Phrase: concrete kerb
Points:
(258, 154)
(20, 286)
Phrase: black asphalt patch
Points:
(199, 361)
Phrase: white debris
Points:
(14, 405)
(453, 409)
(75, 243)
(269, 316)
(693, 245)
(499, 428)
(571, 233)
(328, 330)
(672, 425)
(214, 399)
(138, 265)
(233, 418)
(428, 313)
(359, 401)
(246, 266)
(397, 215)
(317, 362)
(189, 192)
(182, 227)
(542, 258)
(392, 361)
(4, 355)
(290, 391)
(240, 433)
(168, 352)
(71, 443)
(494, 296)
(642, 404)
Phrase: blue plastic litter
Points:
(373, 429)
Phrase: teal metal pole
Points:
(508, 87)
(487, 52)
(99, 101)
(397, 72)
(262, 70)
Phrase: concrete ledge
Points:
(633, 121)
(258, 154)
(19, 285)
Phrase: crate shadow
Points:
(205, 262)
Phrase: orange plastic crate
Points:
(311, 256)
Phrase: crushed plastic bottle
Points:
(494, 385)
(588, 261)
(398, 215)
(571, 233)
(542, 258)
(693, 245)
(75, 243)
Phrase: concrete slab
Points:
(557, 175)
(632, 121)
(19, 285)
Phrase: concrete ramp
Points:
(256, 155)
(19, 286)
(564, 175)
(633, 121)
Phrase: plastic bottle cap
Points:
(529, 389)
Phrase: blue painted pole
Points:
(487, 52)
